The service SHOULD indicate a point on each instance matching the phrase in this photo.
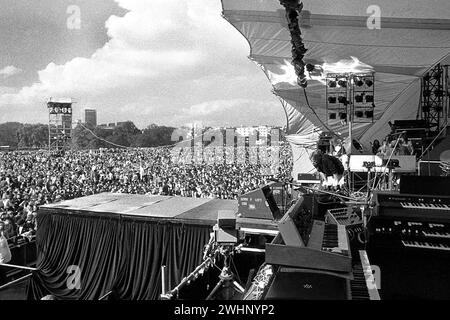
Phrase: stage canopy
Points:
(414, 36)
(118, 242)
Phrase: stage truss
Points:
(434, 97)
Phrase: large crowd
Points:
(29, 179)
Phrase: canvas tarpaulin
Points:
(112, 252)
(414, 36)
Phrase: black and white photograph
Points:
(221, 157)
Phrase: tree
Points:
(81, 137)
(32, 136)
(154, 136)
(8, 134)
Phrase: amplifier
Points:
(430, 168)
(425, 185)
(298, 284)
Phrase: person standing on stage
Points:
(327, 166)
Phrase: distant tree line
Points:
(32, 136)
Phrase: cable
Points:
(121, 146)
(95, 136)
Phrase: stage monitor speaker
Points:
(289, 231)
(425, 185)
(280, 194)
(226, 219)
(259, 204)
(430, 168)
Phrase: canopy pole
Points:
(16, 266)
(15, 281)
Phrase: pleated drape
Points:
(112, 253)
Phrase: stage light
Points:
(359, 98)
(369, 82)
(332, 84)
(331, 99)
(310, 67)
(439, 92)
(332, 116)
(426, 108)
(369, 114)
(427, 77)
(359, 114)
(342, 115)
(359, 82)
(343, 100)
(426, 93)
(369, 98)
(342, 83)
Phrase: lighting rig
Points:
(350, 98)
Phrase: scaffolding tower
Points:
(59, 124)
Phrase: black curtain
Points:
(116, 253)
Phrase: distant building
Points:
(263, 131)
(246, 131)
(105, 126)
(90, 117)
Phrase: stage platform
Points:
(193, 211)
(119, 242)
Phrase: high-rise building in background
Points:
(90, 117)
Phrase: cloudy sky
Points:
(168, 62)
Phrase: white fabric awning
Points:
(414, 36)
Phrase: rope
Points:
(99, 138)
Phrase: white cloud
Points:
(9, 71)
(234, 112)
(162, 54)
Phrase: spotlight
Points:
(359, 98)
(342, 83)
(331, 99)
(359, 82)
(438, 92)
(342, 115)
(332, 84)
(332, 116)
(427, 77)
(426, 93)
(359, 114)
(369, 82)
(369, 114)
(369, 98)
(310, 67)
(342, 99)
(426, 108)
